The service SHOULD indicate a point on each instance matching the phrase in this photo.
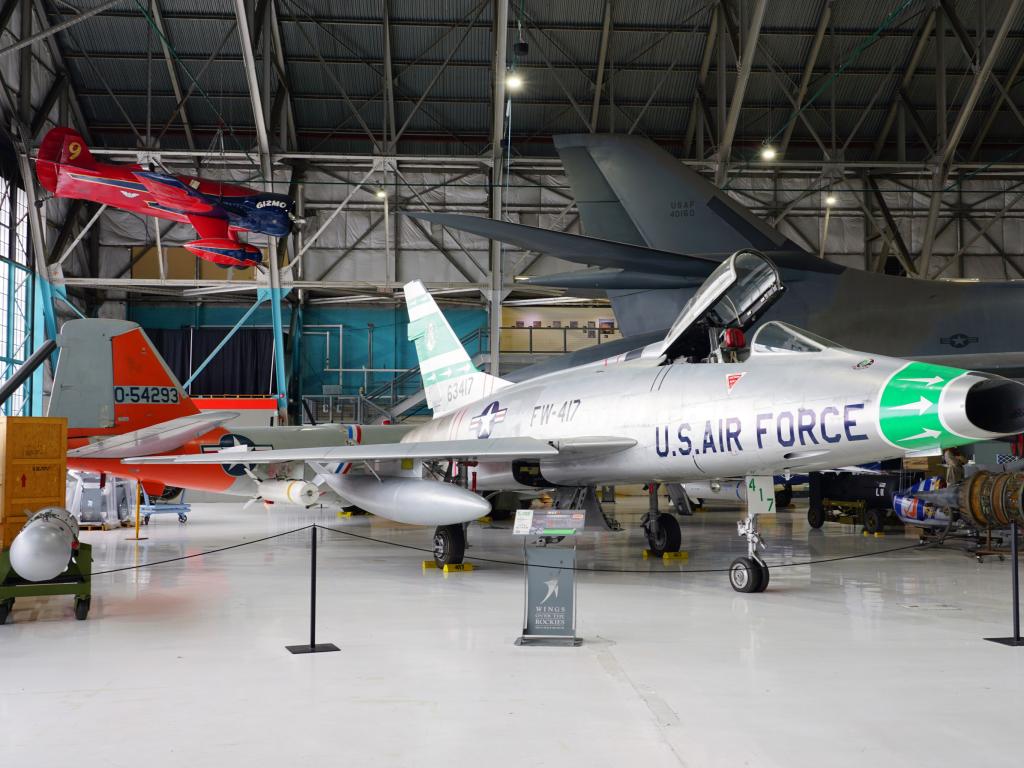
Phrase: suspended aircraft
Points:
(654, 229)
(699, 403)
(216, 210)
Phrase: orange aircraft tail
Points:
(110, 379)
(61, 146)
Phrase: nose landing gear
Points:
(750, 573)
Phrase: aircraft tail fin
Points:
(629, 190)
(61, 146)
(110, 380)
(450, 378)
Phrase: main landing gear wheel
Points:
(784, 497)
(815, 516)
(874, 520)
(6, 606)
(745, 574)
(665, 535)
(449, 544)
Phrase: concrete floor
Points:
(874, 661)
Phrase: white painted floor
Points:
(877, 661)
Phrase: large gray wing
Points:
(580, 249)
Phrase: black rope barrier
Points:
(522, 564)
(205, 552)
(496, 561)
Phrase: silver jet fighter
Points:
(699, 404)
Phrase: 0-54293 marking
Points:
(133, 395)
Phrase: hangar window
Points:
(16, 292)
(776, 337)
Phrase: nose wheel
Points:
(749, 573)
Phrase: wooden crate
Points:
(930, 465)
(33, 467)
(8, 530)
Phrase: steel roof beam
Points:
(172, 71)
(780, 30)
(909, 69)
(993, 111)
(740, 89)
(945, 153)
(590, 124)
(602, 53)
(249, 61)
(700, 114)
(56, 54)
(808, 73)
(56, 90)
(972, 54)
(389, 81)
(285, 79)
(48, 31)
(400, 64)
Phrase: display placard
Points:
(524, 520)
(549, 522)
(550, 617)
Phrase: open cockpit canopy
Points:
(735, 295)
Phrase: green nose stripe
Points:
(908, 415)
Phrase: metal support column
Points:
(263, 141)
(494, 296)
(261, 295)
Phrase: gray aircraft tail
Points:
(110, 379)
(630, 190)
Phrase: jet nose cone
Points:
(40, 552)
(927, 407)
(982, 407)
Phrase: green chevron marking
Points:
(908, 415)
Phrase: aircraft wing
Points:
(172, 192)
(580, 249)
(209, 227)
(487, 449)
(159, 438)
(610, 279)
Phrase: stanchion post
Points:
(138, 512)
(1015, 587)
(1014, 567)
(313, 647)
(312, 587)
